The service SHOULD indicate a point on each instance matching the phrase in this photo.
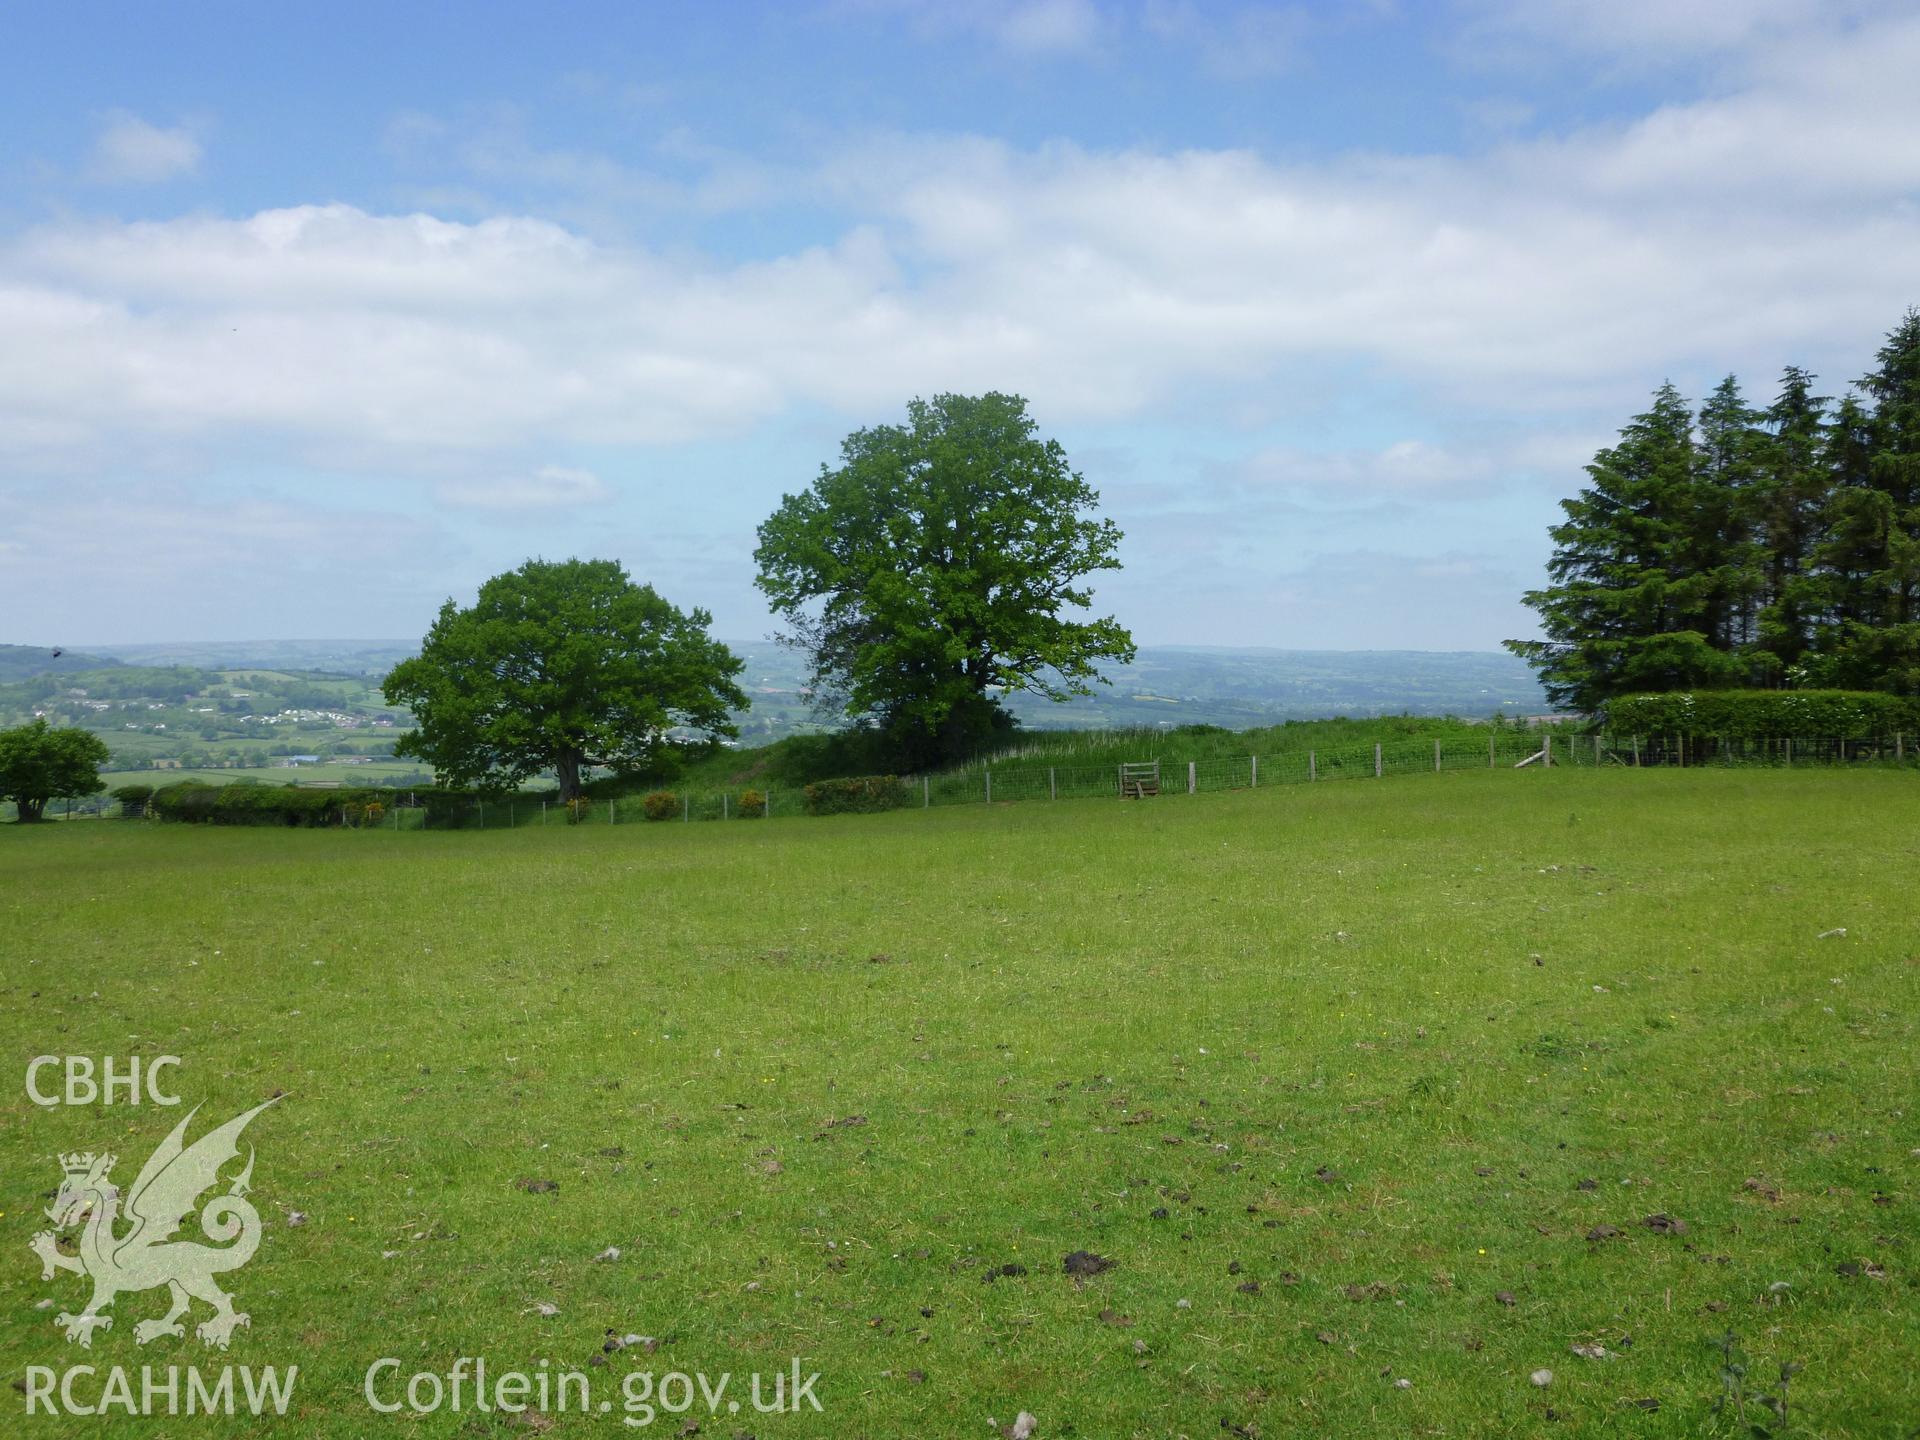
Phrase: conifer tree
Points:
(1870, 561)
(1786, 511)
(1719, 550)
(1630, 607)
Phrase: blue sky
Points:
(317, 315)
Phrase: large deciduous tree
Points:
(563, 665)
(39, 762)
(939, 566)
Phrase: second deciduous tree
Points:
(939, 566)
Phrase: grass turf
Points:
(1354, 1046)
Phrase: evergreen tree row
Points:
(1741, 547)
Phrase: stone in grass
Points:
(1541, 1378)
(1022, 1426)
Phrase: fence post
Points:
(686, 805)
(1596, 750)
(483, 814)
(926, 793)
(1256, 772)
(1192, 777)
(1547, 754)
(1053, 790)
(1636, 752)
(543, 812)
(1490, 740)
(1789, 750)
(1313, 772)
(989, 774)
(1376, 760)
(1899, 745)
(1436, 757)
(723, 806)
(766, 805)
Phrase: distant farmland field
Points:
(1353, 1084)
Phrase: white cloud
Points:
(1233, 40)
(130, 150)
(1412, 469)
(201, 562)
(1739, 232)
(551, 487)
(1037, 29)
(1048, 27)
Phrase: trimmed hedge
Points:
(861, 795)
(133, 800)
(196, 801)
(1766, 714)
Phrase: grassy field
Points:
(1354, 1085)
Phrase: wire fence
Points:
(1144, 780)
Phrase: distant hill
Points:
(23, 662)
(1167, 685)
(339, 657)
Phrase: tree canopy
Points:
(1776, 547)
(39, 762)
(940, 565)
(563, 665)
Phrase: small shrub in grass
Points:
(860, 795)
(133, 800)
(752, 805)
(661, 805)
(579, 810)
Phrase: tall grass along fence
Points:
(988, 783)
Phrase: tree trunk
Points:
(566, 765)
(31, 809)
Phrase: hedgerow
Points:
(1766, 714)
(861, 794)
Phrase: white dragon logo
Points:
(167, 1190)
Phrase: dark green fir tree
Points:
(1629, 607)
(1870, 558)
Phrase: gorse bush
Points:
(860, 795)
(1766, 714)
(752, 805)
(661, 805)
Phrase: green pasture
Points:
(1352, 1085)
